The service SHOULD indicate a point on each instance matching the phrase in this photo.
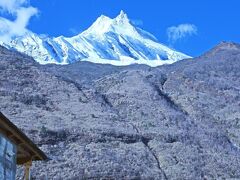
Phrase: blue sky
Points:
(211, 21)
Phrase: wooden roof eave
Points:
(20, 139)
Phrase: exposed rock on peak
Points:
(223, 50)
(122, 18)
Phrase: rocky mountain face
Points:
(109, 41)
(178, 121)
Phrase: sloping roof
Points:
(26, 149)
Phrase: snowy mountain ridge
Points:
(108, 41)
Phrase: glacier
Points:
(108, 41)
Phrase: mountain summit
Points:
(121, 25)
(114, 41)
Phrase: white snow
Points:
(108, 41)
(125, 61)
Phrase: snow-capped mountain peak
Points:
(100, 26)
(121, 25)
(122, 18)
(115, 41)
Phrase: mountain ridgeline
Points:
(94, 121)
(112, 41)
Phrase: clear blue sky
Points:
(216, 20)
